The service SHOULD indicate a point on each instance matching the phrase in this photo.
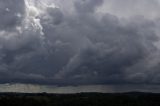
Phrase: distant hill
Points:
(80, 99)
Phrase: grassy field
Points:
(80, 99)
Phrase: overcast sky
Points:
(97, 45)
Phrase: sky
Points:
(79, 45)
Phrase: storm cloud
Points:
(79, 42)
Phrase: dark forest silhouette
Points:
(80, 99)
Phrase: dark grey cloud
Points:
(42, 43)
(11, 15)
(86, 6)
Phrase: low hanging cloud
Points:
(78, 43)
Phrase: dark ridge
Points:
(80, 99)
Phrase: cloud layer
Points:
(77, 42)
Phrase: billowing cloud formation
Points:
(78, 42)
